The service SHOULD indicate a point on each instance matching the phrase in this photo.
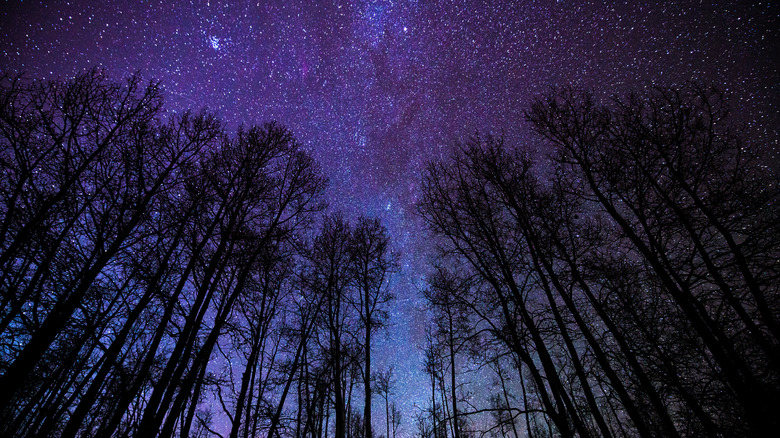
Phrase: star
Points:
(215, 42)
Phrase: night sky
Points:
(374, 89)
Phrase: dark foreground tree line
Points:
(161, 276)
(158, 272)
(626, 287)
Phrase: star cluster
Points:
(375, 88)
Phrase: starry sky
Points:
(374, 89)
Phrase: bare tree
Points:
(384, 387)
(632, 283)
(330, 276)
(372, 262)
(64, 150)
(453, 330)
(696, 205)
(395, 418)
(128, 245)
(457, 205)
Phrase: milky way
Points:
(374, 89)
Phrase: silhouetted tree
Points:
(372, 263)
(66, 213)
(331, 276)
(453, 331)
(457, 205)
(134, 248)
(697, 206)
(384, 386)
(395, 418)
(633, 284)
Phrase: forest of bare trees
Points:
(151, 263)
(161, 275)
(626, 287)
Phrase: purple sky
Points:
(373, 89)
